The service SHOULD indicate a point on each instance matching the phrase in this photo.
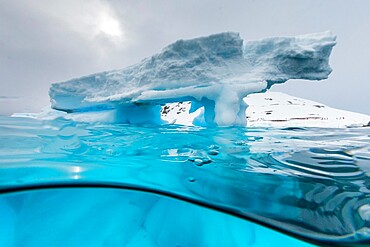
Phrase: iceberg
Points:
(214, 72)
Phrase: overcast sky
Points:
(43, 41)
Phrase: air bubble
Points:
(214, 147)
(198, 162)
(213, 152)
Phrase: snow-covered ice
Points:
(275, 109)
(215, 72)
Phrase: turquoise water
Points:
(64, 183)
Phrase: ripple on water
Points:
(311, 182)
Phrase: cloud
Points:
(44, 41)
(47, 41)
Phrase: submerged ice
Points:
(214, 72)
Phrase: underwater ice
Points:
(79, 217)
(215, 72)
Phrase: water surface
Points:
(307, 183)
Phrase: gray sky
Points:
(43, 41)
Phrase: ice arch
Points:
(216, 72)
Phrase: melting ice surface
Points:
(65, 183)
(215, 72)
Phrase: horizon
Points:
(44, 42)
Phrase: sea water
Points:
(65, 183)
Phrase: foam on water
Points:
(312, 183)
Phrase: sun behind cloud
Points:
(110, 26)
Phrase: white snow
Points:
(274, 109)
(216, 72)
